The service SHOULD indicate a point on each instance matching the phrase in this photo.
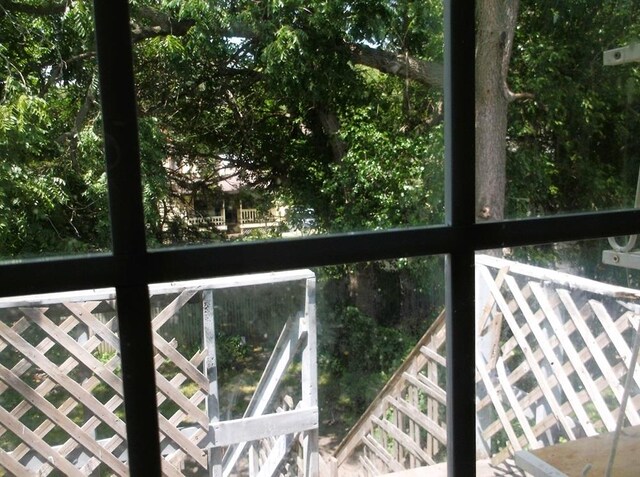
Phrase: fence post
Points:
(310, 380)
(214, 458)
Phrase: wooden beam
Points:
(258, 427)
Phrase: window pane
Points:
(237, 351)
(291, 121)
(556, 331)
(557, 127)
(53, 197)
(382, 376)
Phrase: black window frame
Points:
(131, 267)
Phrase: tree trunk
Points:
(496, 27)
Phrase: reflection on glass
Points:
(556, 359)
(52, 176)
(558, 123)
(291, 120)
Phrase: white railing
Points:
(212, 219)
(235, 438)
(249, 216)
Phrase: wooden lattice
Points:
(552, 357)
(61, 398)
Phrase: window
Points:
(130, 268)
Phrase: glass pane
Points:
(61, 397)
(53, 197)
(557, 374)
(557, 121)
(382, 375)
(243, 353)
(256, 337)
(290, 120)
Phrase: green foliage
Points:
(575, 146)
(232, 351)
(387, 178)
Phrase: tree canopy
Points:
(332, 106)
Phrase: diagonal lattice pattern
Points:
(61, 402)
(553, 353)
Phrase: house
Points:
(225, 202)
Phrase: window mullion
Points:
(117, 95)
(460, 216)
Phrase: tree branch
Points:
(397, 64)
(161, 25)
(45, 8)
(511, 13)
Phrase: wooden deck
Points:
(484, 468)
(573, 457)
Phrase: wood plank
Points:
(368, 465)
(43, 299)
(618, 340)
(486, 310)
(596, 352)
(180, 361)
(259, 427)
(47, 453)
(182, 441)
(484, 468)
(515, 405)
(230, 282)
(181, 400)
(572, 457)
(427, 386)
(172, 308)
(403, 439)
(46, 385)
(212, 405)
(363, 425)
(309, 379)
(602, 340)
(75, 349)
(381, 453)
(169, 470)
(81, 313)
(276, 454)
(574, 358)
(11, 464)
(433, 356)
(423, 421)
(43, 346)
(535, 466)
(497, 402)
(283, 353)
(61, 378)
(109, 294)
(564, 280)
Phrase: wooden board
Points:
(572, 457)
(484, 468)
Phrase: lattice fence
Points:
(552, 357)
(61, 398)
